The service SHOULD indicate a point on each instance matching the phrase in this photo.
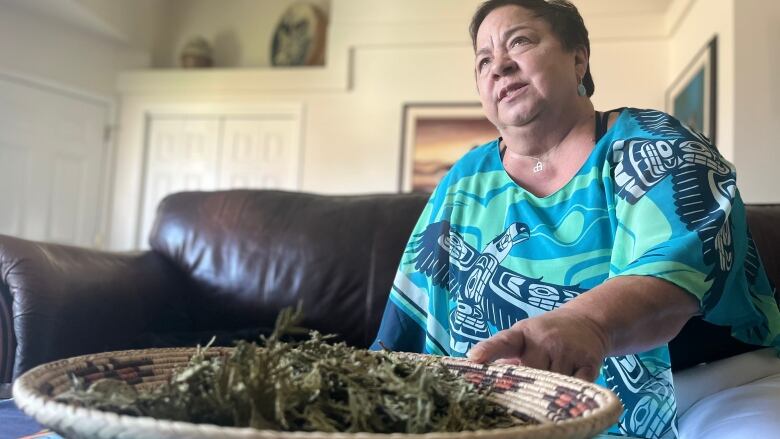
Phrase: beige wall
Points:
(400, 57)
(239, 30)
(381, 56)
(748, 89)
(629, 73)
(379, 59)
(139, 24)
(757, 98)
(35, 46)
(703, 20)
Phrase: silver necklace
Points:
(540, 164)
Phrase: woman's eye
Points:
(517, 41)
(483, 62)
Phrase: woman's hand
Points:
(624, 315)
(564, 341)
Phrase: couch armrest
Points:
(58, 301)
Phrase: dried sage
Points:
(310, 385)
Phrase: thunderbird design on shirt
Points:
(485, 296)
(702, 198)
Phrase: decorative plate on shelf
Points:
(299, 38)
(556, 406)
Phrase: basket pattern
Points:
(561, 407)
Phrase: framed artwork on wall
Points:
(299, 38)
(692, 97)
(434, 136)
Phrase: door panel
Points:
(67, 204)
(183, 156)
(189, 152)
(260, 153)
(13, 176)
(52, 152)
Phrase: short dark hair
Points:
(562, 16)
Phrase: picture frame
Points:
(692, 97)
(299, 37)
(434, 136)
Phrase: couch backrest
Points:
(764, 223)
(252, 253)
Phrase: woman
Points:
(578, 242)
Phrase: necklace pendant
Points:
(539, 166)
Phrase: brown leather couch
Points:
(225, 263)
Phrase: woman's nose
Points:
(504, 65)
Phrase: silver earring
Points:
(581, 90)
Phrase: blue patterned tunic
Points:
(654, 198)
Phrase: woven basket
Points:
(563, 407)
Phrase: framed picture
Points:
(692, 98)
(299, 37)
(434, 136)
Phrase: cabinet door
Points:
(52, 160)
(182, 152)
(260, 152)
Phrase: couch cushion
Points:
(697, 383)
(747, 411)
(252, 253)
(7, 340)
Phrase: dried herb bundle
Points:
(305, 386)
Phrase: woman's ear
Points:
(581, 59)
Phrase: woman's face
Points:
(522, 69)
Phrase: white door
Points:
(208, 152)
(182, 155)
(259, 153)
(52, 161)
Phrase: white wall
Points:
(140, 24)
(38, 46)
(381, 55)
(748, 89)
(378, 59)
(757, 98)
(68, 46)
(703, 20)
(240, 31)
(629, 73)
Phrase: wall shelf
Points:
(239, 80)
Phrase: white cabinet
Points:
(186, 152)
(258, 153)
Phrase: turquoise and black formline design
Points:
(653, 199)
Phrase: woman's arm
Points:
(627, 314)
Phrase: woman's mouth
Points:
(511, 91)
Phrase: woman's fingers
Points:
(587, 373)
(558, 341)
(575, 365)
(563, 365)
(535, 357)
(510, 361)
(506, 344)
